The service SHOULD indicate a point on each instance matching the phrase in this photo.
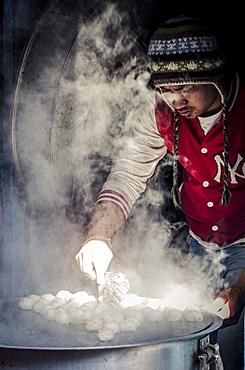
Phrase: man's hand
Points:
(230, 302)
(96, 255)
(94, 259)
(234, 296)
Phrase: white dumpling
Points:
(76, 301)
(172, 314)
(45, 308)
(50, 314)
(69, 305)
(76, 316)
(101, 309)
(26, 303)
(57, 302)
(193, 315)
(94, 324)
(81, 296)
(155, 315)
(117, 317)
(49, 297)
(146, 311)
(112, 316)
(105, 335)
(133, 313)
(91, 298)
(39, 304)
(62, 317)
(114, 327)
(107, 316)
(130, 325)
(34, 297)
(65, 294)
(127, 311)
(89, 306)
(138, 307)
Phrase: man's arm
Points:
(106, 220)
(137, 162)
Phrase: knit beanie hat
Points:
(184, 51)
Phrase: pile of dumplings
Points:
(81, 308)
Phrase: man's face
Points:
(193, 100)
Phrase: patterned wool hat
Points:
(187, 52)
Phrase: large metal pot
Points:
(29, 341)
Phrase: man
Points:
(198, 114)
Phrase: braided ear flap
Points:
(175, 188)
(226, 195)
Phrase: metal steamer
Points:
(29, 341)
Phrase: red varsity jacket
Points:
(202, 159)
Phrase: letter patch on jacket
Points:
(236, 171)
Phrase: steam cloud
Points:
(102, 83)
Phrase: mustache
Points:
(184, 109)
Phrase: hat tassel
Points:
(226, 194)
(175, 188)
(226, 197)
(175, 196)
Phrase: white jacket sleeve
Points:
(137, 162)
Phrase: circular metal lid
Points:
(29, 330)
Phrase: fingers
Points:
(224, 313)
(101, 265)
(217, 304)
(94, 259)
(220, 307)
(85, 263)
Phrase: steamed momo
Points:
(49, 297)
(57, 302)
(105, 335)
(146, 311)
(155, 315)
(83, 309)
(76, 316)
(172, 314)
(94, 324)
(112, 316)
(26, 303)
(50, 314)
(130, 325)
(111, 326)
(61, 317)
(193, 315)
(38, 305)
(64, 294)
(68, 306)
(133, 313)
(81, 296)
(45, 308)
(34, 297)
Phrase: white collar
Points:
(209, 122)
